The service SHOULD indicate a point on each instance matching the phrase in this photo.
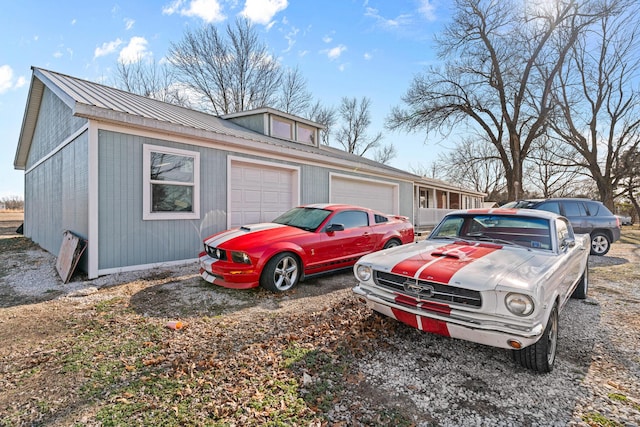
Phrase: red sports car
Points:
(304, 241)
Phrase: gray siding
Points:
(255, 123)
(124, 238)
(55, 124)
(56, 197)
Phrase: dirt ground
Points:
(41, 326)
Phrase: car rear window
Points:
(598, 209)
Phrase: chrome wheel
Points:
(599, 244)
(281, 273)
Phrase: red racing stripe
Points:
(443, 270)
(410, 266)
(441, 264)
(428, 325)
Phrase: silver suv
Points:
(585, 215)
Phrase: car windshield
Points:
(308, 219)
(502, 229)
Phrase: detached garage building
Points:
(144, 181)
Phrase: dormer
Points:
(278, 124)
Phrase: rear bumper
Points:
(482, 329)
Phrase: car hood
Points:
(475, 266)
(252, 235)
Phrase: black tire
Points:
(580, 292)
(600, 244)
(281, 273)
(541, 356)
(392, 244)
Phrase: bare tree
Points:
(356, 118)
(501, 60)
(231, 72)
(432, 170)
(629, 171)
(473, 163)
(550, 174)
(293, 96)
(597, 94)
(385, 154)
(12, 202)
(150, 79)
(326, 116)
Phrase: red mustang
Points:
(304, 241)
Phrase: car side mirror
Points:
(567, 243)
(334, 227)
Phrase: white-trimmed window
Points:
(306, 134)
(171, 187)
(281, 128)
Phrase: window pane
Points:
(305, 134)
(171, 167)
(171, 198)
(280, 129)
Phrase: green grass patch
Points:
(596, 418)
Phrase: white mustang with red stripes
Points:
(497, 277)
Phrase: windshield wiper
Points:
(481, 237)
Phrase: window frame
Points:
(310, 129)
(290, 123)
(147, 183)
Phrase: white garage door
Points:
(370, 194)
(259, 193)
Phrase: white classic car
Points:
(492, 276)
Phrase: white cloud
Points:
(368, 56)
(335, 52)
(134, 51)
(207, 10)
(107, 48)
(7, 80)
(73, 21)
(327, 39)
(57, 54)
(262, 11)
(291, 38)
(399, 21)
(128, 23)
(427, 9)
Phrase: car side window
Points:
(380, 219)
(574, 209)
(550, 207)
(351, 219)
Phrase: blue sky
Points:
(350, 48)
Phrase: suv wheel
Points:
(600, 244)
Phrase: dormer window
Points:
(306, 134)
(281, 128)
(278, 124)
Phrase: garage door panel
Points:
(374, 195)
(260, 193)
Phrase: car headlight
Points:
(519, 304)
(240, 257)
(363, 272)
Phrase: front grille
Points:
(428, 291)
(216, 253)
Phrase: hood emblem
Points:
(422, 290)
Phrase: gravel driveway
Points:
(436, 381)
